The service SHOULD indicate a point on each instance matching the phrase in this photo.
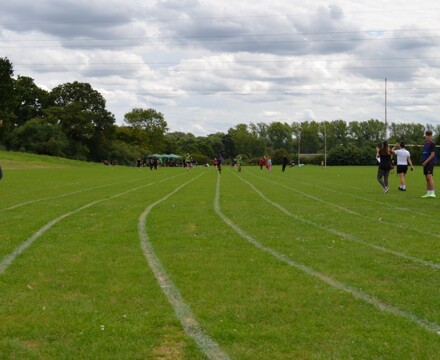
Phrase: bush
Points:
(125, 154)
(351, 155)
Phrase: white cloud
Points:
(209, 65)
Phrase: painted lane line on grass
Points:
(9, 259)
(332, 205)
(42, 188)
(360, 295)
(397, 208)
(79, 191)
(64, 195)
(182, 310)
(343, 234)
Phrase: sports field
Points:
(100, 262)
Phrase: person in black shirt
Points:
(285, 162)
(383, 155)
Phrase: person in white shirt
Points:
(403, 159)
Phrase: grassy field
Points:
(101, 262)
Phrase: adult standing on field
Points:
(383, 155)
(188, 161)
(285, 162)
(428, 162)
(403, 159)
(219, 163)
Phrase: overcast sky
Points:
(209, 65)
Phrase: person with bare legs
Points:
(403, 159)
(429, 160)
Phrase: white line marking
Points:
(332, 205)
(9, 259)
(391, 206)
(343, 234)
(433, 327)
(183, 311)
(63, 195)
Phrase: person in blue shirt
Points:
(428, 162)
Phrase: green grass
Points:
(322, 250)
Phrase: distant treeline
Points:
(72, 121)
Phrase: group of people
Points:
(266, 161)
(384, 157)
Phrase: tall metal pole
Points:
(325, 147)
(386, 120)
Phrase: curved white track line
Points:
(332, 205)
(432, 327)
(183, 311)
(9, 259)
(390, 206)
(343, 234)
(63, 195)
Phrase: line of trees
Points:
(72, 121)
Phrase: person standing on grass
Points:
(268, 163)
(383, 155)
(403, 159)
(261, 163)
(188, 161)
(429, 160)
(285, 162)
(238, 163)
(219, 163)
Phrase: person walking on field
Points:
(403, 159)
(429, 159)
(285, 162)
(188, 162)
(219, 163)
(268, 163)
(383, 155)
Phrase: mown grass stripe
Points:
(9, 259)
(336, 206)
(432, 327)
(183, 312)
(64, 195)
(389, 206)
(344, 235)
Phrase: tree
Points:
(151, 123)
(308, 132)
(40, 137)
(280, 135)
(81, 112)
(6, 98)
(409, 133)
(367, 133)
(29, 100)
(240, 141)
(216, 142)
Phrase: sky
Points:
(208, 65)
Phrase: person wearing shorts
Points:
(403, 159)
(428, 162)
